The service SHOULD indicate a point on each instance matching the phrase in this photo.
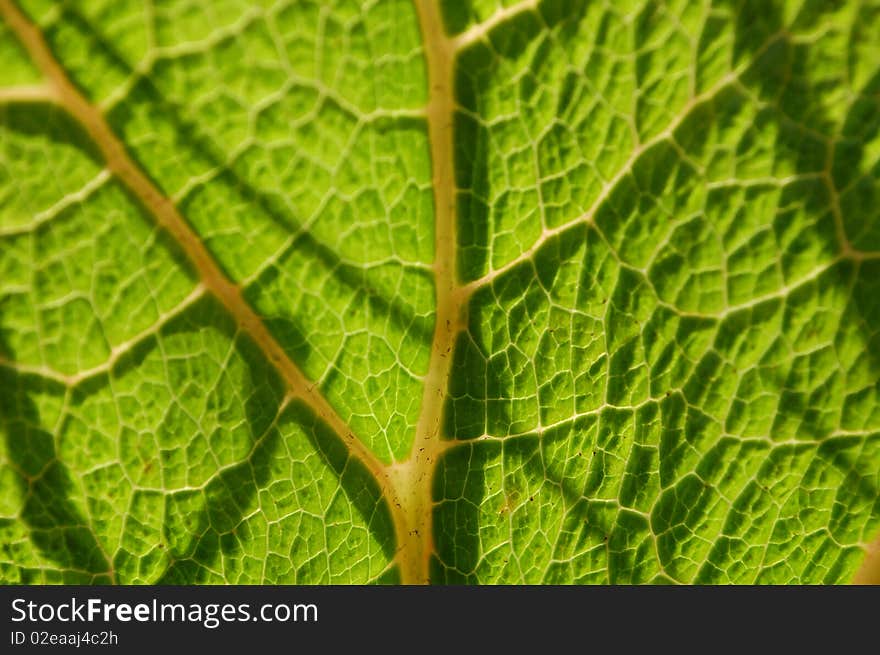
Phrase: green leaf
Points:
(369, 292)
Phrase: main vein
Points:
(169, 218)
(414, 477)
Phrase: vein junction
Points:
(406, 485)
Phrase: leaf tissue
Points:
(394, 291)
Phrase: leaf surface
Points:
(547, 292)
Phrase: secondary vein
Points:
(166, 214)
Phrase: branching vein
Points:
(60, 88)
